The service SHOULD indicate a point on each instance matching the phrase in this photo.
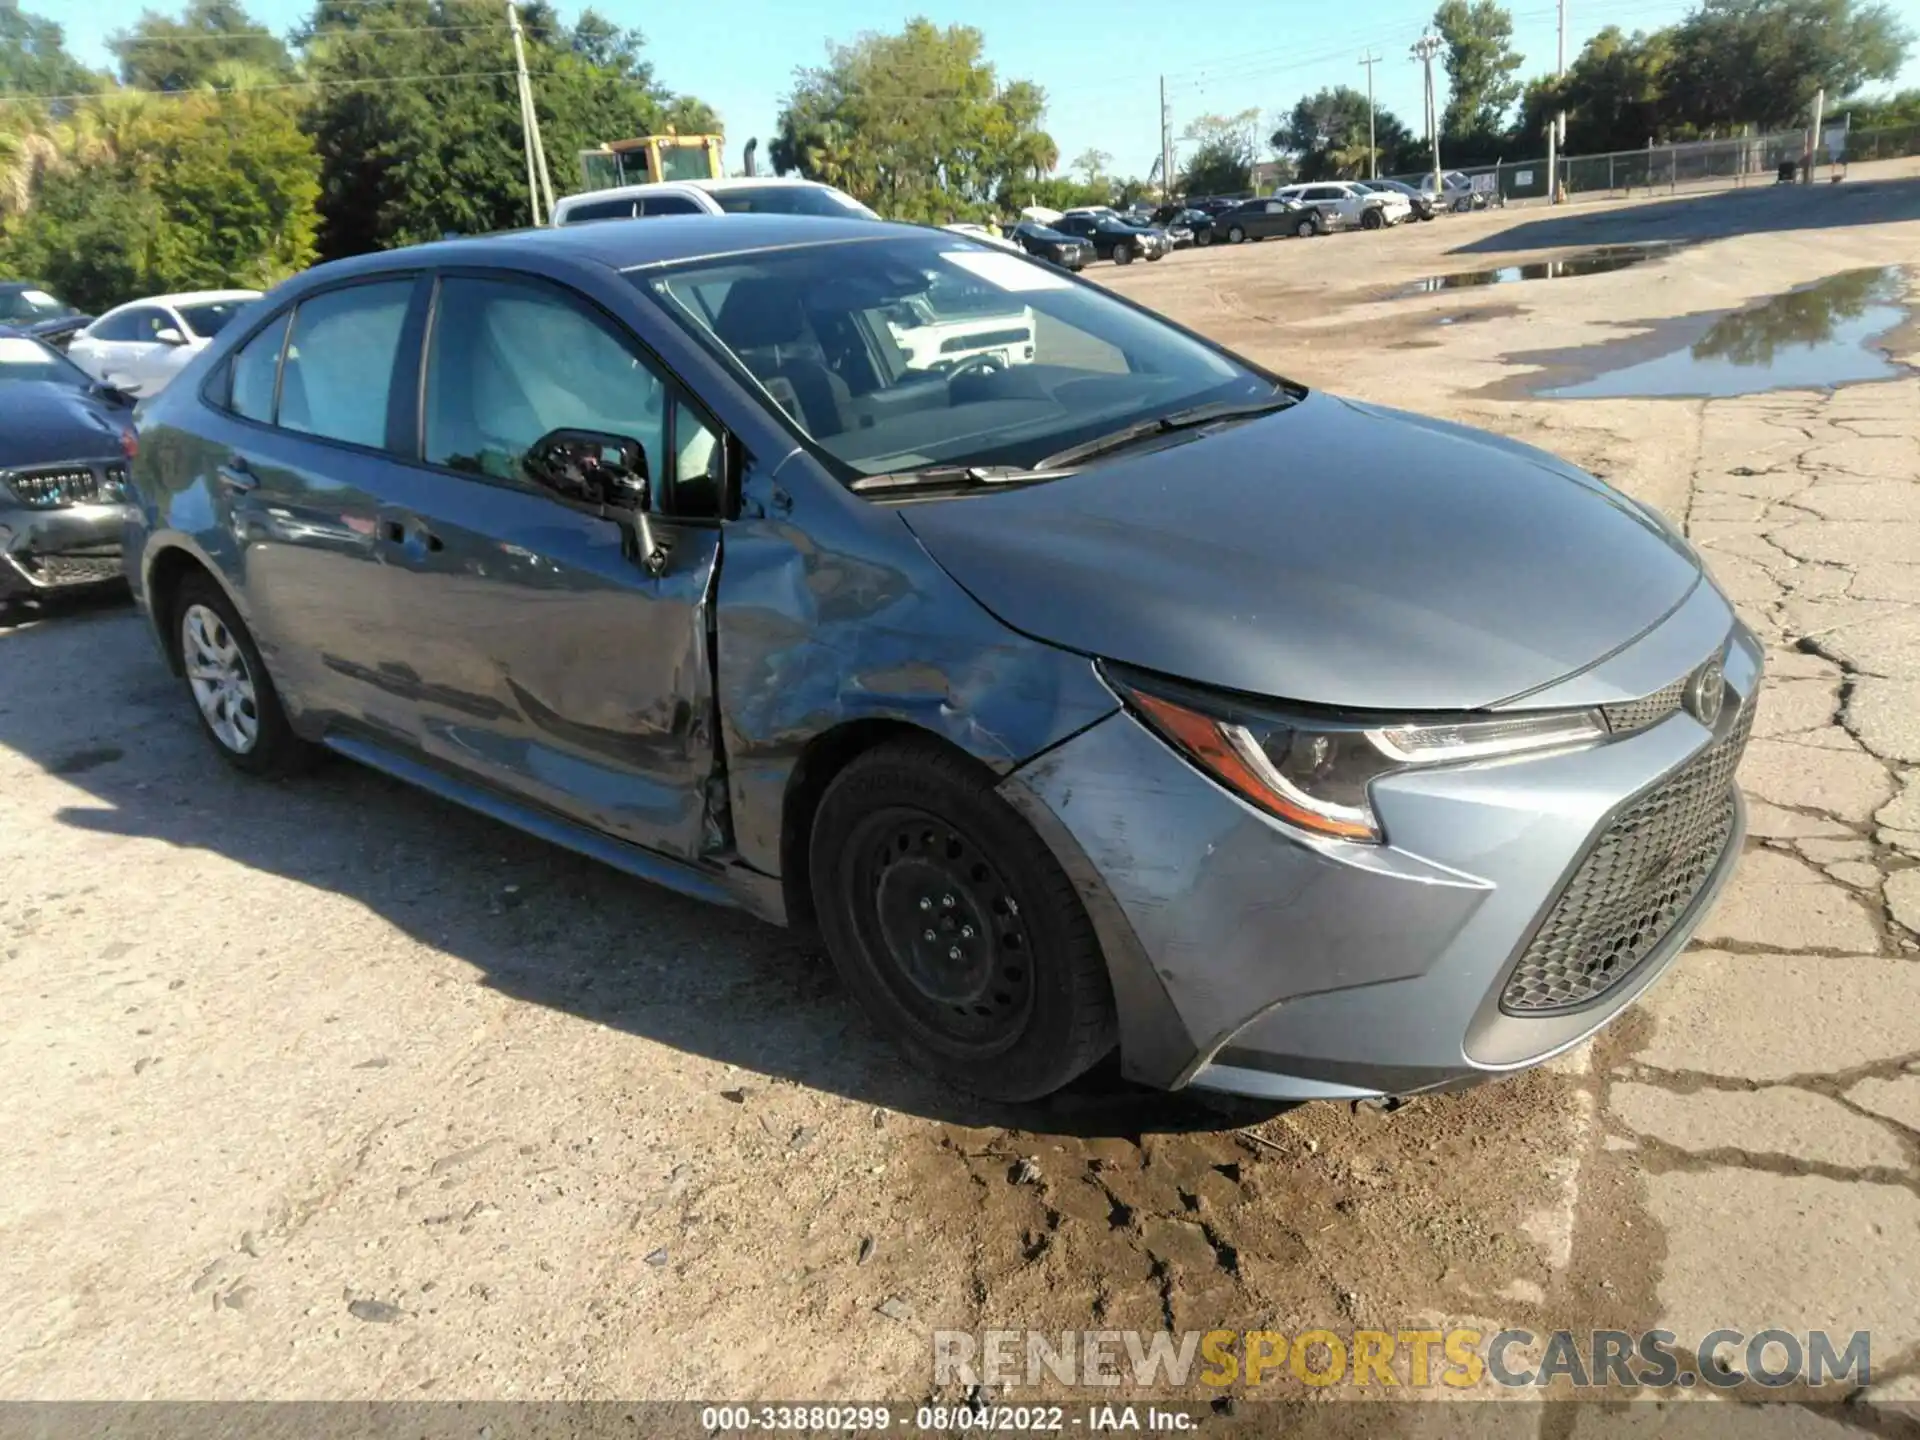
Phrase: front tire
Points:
(1203, 237)
(1123, 254)
(1235, 234)
(239, 709)
(1307, 227)
(1009, 997)
(1372, 220)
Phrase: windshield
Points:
(210, 317)
(24, 359)
(32, 305)
(914, 352)
(789, 200)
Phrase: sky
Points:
(1100, 63)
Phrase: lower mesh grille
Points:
(1634, 884)
(71, 569)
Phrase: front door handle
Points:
(410, 534)
(237, 475)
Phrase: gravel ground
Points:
(328, 1090)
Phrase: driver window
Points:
(509, 362)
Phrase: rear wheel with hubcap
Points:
(239, 709)
(955, 927)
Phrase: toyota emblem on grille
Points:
(1706, 692)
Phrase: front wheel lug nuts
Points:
(946, 902)
(929, 935)
(954, 953)
(966, 932)
(926, 903)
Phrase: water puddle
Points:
(1813, 338)
(1597, 261)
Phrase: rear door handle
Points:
(237, 474)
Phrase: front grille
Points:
(1647, 710)
(53, 486)
(72, 569)
(1634, 885)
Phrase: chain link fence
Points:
(1688, 165)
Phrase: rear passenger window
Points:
(255, 368)
(669, 205)
(339, 366)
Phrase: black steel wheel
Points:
(1372, 219)
(955, 927)
(1203, 237)
(1123, 253)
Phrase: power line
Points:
(133, 40)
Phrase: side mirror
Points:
(596, 467)
(169, 335)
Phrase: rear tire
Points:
(1010, 998)
(239, 710)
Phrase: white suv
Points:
(757, 194)
(1346, 204)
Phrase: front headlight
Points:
(1315, 772)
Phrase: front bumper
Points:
(1247, 959)
(69, 548)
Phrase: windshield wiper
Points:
(957, 475)
(1167, 424)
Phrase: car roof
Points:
(184, 297)
(629, 246)
(711, 186)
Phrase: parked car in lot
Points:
(1099, 701)
(1346, 206)
(1069, 252)
(1184, 225)
(986, 235)
(64, 443)
(741, 195)
(1421, 205)
(141, 346)
(29, 308)
(1263, 219)
(1455, 192)
(1113, 238)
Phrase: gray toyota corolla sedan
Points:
(1058, 666)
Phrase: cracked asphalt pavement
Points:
(328, 1090)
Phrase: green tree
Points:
(1325, 135)
(1092, 165)
(1884, 112)
(1760, 62)
(916, 124)
(1481, 88)
(209, 190)
(1617, 94)
(405, 159)
(1221, 161)
(164, 53)
(34, 58)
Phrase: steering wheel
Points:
(988, 363)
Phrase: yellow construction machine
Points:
(647, 158)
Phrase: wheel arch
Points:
(822, 760)
(167, 568)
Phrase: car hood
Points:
(1334, 553)
(47, 423)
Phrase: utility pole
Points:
(1373, 154)
(539, 183)
(1813, 136)
(1424, 49)
(1166, 145)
